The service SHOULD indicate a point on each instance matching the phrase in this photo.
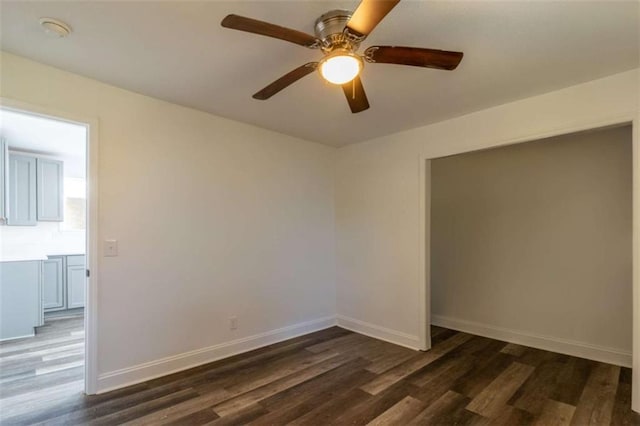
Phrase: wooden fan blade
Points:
(415, 56)
(270, 30)
(285, 81)
(357, 98)
(368, 15)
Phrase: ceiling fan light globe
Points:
(340, 69)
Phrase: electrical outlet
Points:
(233, 323)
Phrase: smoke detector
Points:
(55, 28)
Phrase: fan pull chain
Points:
(353, 89)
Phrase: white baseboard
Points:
(554, 344)
(149, 370)
(379, 332)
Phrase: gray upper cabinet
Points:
(53, 284)
(4, 170)
(50, 190)
(22, 190)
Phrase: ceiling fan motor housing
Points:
(329, 29)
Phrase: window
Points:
(75, 200)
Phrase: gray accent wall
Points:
(536, 238)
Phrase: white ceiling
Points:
(178, 51)
(43, 136)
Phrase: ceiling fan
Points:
(338, 35)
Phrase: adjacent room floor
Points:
(42, 370)
(330, 377)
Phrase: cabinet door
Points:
(53, 285)
(50, 190)
(22, 190)
(4, 171)
(20, 284)
(75, 286)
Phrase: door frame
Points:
(91, 253)
(632, 118)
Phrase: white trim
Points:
(635, 380)
(173, 364)
(91, 311)
(424, 237)
(379, 332)
(555, 344)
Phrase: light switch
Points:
(110, 247)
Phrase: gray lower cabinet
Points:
(53, 286)
(50, 190)
(75, 286)
(64, 281)
(20, 298)
(4, 170)
(22, 190)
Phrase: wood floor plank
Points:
(413, 364)
(389, 360)
(555, 413)
(180, 410)
(297, 401)
(400, 413)
(241, 417)
(534, 393)
(105, 404)
(509, 416)
(440, 385)
(325, 413)
(139, 410)
(621, 414)
(494, 397)
(571, 380)
(270, 374)
(24, 408)
(363, 413)
(445, 367)
(513, 349)
(236, 404)
(595, 406)
(444, 407)
(198, 418)
(485, 369)
(340, 343)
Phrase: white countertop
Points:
(32, 257)
(18, 258)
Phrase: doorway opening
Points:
(619, 349)
(45, 253)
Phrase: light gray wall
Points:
(536, 237)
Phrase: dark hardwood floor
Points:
(330, 377)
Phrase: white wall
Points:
(213, 218)
(536, 238)
(379, 199)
